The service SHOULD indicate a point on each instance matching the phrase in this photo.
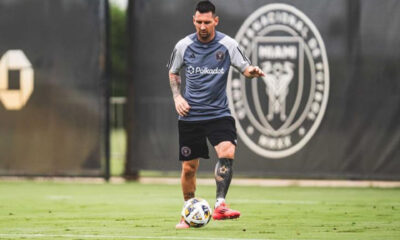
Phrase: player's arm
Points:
(253, 72)
(241, 62)
(181, 105)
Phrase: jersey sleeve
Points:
(238, 59)
(176, 61)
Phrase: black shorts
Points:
(193, 136)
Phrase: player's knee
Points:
(189, 170)
(226, 150)
(229, 153)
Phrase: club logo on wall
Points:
(279, 113)
(14, 62)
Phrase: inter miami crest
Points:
(279, 113)
(220, 55)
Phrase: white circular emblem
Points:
(190, 69)
(277, 114)
(186, 151)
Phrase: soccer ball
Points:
(196, 212)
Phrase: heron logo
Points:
(279, 113)
(14, 95)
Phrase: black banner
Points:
(336, 116)
(52, 87)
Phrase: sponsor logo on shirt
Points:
(204, 70)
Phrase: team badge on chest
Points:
(220, 55)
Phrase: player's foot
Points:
(182, 224)
(223, 212)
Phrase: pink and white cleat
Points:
(182, 224)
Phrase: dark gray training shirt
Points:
(206, 70)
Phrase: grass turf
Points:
(48, 210)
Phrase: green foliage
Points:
(119, 45)
(46, 210)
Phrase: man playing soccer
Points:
(203, 109)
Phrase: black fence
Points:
(337, 116)
(53, 88)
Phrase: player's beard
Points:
(204, 35)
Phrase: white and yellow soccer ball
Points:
(196, 212)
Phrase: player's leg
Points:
(192, 146)
(188, 178)
(223, 169)
(223, 176)
(222, 135)
(188, 184)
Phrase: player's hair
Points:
(205, 7)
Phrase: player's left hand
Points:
(253, 72)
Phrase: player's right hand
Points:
(181, 106)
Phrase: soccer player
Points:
(203, 110)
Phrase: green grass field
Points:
(49, 210)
